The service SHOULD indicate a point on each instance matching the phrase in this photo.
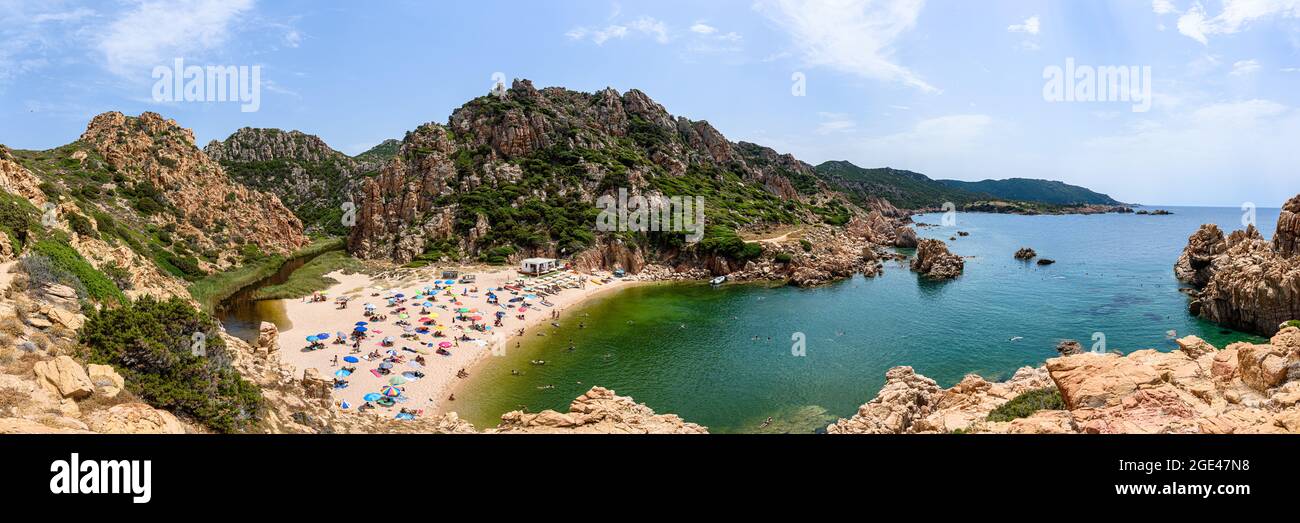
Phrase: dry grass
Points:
(22, 366)
(97, 402)
(10, 399)
(8, 352)
(13, 327)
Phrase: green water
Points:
(722, 357)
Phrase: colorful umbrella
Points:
(391, 391)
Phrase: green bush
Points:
(1293, 323)
(151, 343)
(1024, 405)
(99, 286)
(16, 219)
(782, 257)
(806, 245)
(81, 225)
(725, 242)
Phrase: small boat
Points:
(718, 281)
(538, 362)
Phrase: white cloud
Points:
(293, 38)
(1244, 67)
(835, 123)
(156, 31)
(1163, 7)
(703, 28)
(1237, 15)
(645, 25)
(1030, 25)
(851, 36)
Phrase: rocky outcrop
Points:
(599, 411)
(1244, 281)
(65, 377)
(312, 179)
(134, 418)
(934, 261)
(556, 147)
(203, 200)
(910, 403)
(1025, 254)
(1243, 388)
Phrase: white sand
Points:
(440, 372)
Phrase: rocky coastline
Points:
(1242, 280)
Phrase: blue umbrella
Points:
(372, 396)
(345, 405)
(360, 323)
(361, 329)
(311, 338)
(323, 336)
(350, 359)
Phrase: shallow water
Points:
(722, 357)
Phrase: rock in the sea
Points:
(934, 261)
(65, 377)
(1069, 347)
(1046, 261)
(906, 238)
(1245, 281)
(1026, 254)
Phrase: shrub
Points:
(150, 343)
(806, 245)
(782, 257)
(1024, 405)
(63, 256)
(41, 271)
(1293, 323)
(81, 225)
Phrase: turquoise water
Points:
(722, 357)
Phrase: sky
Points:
(950, 88)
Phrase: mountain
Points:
(311, 178)
(1027, 189)
(905, 189)
(134, 201)
(518, 175)
(379, 154)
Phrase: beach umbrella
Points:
(350, 359)
(369, 306)
(445, 344)
(323, 336)
(361, 323)
(404, 315)
(396, 380)
(345, 405)
(390, 391)
(476, 317)
(311, 339)
(399, 295)
(343, 373)
(462, 309)
(372, 396)
(428, 304)
(501, 314)
(388, 339)
(361, 329)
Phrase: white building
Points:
(537, 265)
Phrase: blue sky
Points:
(950, 88)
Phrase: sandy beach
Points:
(430, 391)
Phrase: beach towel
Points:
(376, 373)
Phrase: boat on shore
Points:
(718, 281)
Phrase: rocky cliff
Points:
(206, 204)
(1242, 280)
(1243, 388)
(934, 261)
(311, 178)
(518, 175)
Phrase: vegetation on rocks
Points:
(1026, 404)
(151, 344)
